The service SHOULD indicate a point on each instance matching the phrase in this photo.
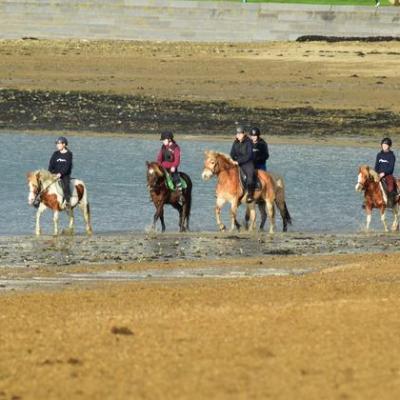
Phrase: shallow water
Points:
(320, 183)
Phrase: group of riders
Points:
(249, 151)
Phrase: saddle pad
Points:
(170, 183)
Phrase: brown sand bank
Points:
(319, 89)
(332, 334)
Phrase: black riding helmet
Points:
(62, 139)
(255, 131)
(166, 135)
(387, 141)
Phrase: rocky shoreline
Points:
(47, 251)
(81, 111)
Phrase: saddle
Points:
(170, 183)
(243, 181)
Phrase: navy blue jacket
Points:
(242, 152)
(61, 163)
(385, 162)
(260, 152)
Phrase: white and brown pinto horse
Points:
(229, 189)
(46, 188)
(368, 182)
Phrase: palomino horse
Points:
(229, 189)
(46, 188)
(368, 182)
(160, 195)
(280, 202)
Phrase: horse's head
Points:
(214, 163)
(34, 184)
(365, 174)
(154, 173)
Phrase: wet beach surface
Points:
(28, 262)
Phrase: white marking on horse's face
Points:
(206, 174)
(359, 186)
(32, 195)
(151, 171)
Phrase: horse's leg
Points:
(261, 208)
(85, 209)
(39, 212)
(178, 207)
(218, 207)
(56, 215)
(395, 225)
(383, 219)
(252, 216)
(369, 217)
(271, 214)
(71, 220)
(234, 221)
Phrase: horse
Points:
(280, 202)
(160, 195)
(229, 189)
(45, 189)
(375, 197)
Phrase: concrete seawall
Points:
(189, 20)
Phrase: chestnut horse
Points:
(375, 197)
(229, 189)
(45, 188)
(160, 195)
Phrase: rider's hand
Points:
(58, 175)
(235, 162)
(381, 175)
(173, 169)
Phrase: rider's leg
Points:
(250, 180)
(66, 181)
(178, 184)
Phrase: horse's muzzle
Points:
(206, 175)
(359, 187)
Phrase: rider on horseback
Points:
(384, 166)
(169, 157)
(61, 165)
(242, 153)
(260, 149)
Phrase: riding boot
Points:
(179, 189)
(250, 194)
(391, 199)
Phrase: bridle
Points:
(157, 183)
(41, 190)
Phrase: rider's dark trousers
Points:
(176, 179)
(66, 182)
(249, 171)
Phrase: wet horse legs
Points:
(159, 214)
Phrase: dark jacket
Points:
(260, 152)
(242, 152)
(61, 163)
(385, 162)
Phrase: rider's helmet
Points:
(167, 135)
(255, 131)
(62, 139)
(387, 141)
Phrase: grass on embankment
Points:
(319, 2)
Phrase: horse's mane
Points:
(371, 172)
(224, 156)
(45, 175)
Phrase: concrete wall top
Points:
(177, 20)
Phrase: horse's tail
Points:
(288, 218)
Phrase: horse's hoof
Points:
(222, 228)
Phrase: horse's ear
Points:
(147, 164)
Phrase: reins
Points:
(38, 195)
